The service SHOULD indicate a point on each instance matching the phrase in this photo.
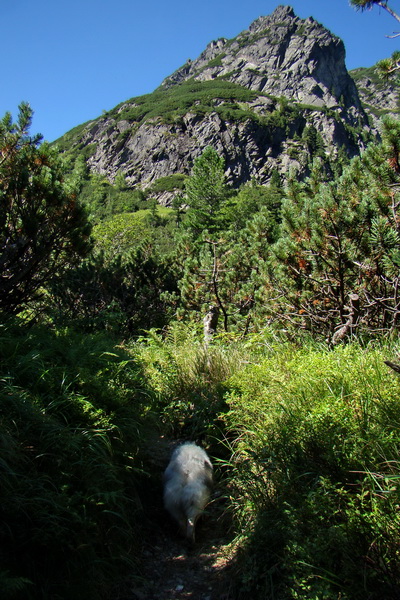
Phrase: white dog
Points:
(188, 481)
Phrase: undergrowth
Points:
(305, 441)
(186, 378)
(70, 416)
(315, 441)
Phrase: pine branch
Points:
(389, 10)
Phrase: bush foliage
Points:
(315, 437)
(42, 227)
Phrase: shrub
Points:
(170, 183)
(178, 99)
(42, 227)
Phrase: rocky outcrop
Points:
(379, 96)
(251, 151)
(281, 55)
(293, 78)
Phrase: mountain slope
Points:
(379, 96)
(272, 98)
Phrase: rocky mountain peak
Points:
(254, 98)
(282, 14)
(281, 55)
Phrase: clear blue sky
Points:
(72, 60)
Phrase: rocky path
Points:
(175, 571)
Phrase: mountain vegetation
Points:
(269, 204)
(41, 222)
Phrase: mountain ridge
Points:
(272, 98)
(286, 39)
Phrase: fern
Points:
(11, 586)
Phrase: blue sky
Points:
(72, 60)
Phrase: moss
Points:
(216, 62)
(88, 151)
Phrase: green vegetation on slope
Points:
(172, 103)
(232, 102)
(291, 397)
(380, 85)
(306, 441)
(200, 96)
(315, 439)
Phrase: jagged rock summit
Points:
(269, 99)
(281, 55)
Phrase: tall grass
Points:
(316, 442)
(307, 439)
(70, 410)
(186, 378)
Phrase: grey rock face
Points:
(278, 56)
(281, 55)
(250, 151)
(379, 96)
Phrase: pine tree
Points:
(229, 270)
(340, 240)
(42, 227)
(206, 192)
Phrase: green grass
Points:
(305, 442)
(65, 141)
(70, 507)
(215, 62)
(169, 105)
(315, 440)
(187, 380)
(369, 72)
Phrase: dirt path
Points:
(175, 569)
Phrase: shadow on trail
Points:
(175, 569)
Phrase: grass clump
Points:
(316, 442)
(186, 378)
(70, 508)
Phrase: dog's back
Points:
(187, 485)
